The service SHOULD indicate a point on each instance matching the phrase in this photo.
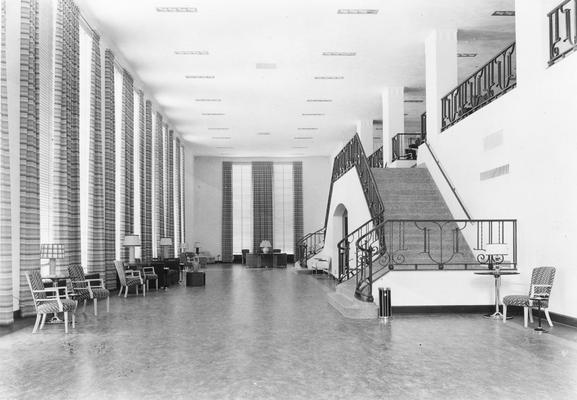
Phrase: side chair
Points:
(129, 278)
(86, 289)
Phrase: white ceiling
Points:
(292, 35)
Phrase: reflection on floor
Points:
(270, 334)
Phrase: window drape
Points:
(262, 184)
(226, 235)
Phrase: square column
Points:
(365, 131)
(393, 118)
(441, 75)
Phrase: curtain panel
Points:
(109, 171)
(178, 196)
(6, 314)
(262, 184)
(226, 235)
(146, 185)
(169, 170)
(297, 201)
(127, 213)
(159, 150)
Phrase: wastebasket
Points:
(384, 303)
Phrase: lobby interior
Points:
(335, 135)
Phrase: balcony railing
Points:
(405, 146)
(492, 80)
(562, 30)
(375, 160)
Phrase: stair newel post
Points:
(369, 255)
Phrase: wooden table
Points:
(261, 260)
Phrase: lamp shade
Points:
(132, 240)
(497, 248)
(165, 241)
(51, 250)
(265, 243)
(196, 244)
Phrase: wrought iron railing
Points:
(492, 80)
(431, 245)
(562, 30)
(405, 145)
(375, 160)
(310, 245)
(353, 155)
(348, 251)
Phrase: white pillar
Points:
(393, 118)
(441, 75)
(365, 131)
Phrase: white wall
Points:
(204, 179)
(347, 190)
(531, 129)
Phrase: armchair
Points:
(129, 278)
(49, 301)
(88, 288)
(541, 284)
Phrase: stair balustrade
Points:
(562, 30)
(492, 80)
(310, 245)
(375, 160)
(451, 244)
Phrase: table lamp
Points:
(165, 243)
(197, 247)
(132, 241)
(265, 245)
(494, 255)
(52, 251)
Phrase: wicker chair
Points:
(129, 278)
(86, 289)
(541, 284)
(49, 301)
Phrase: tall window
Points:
(136, 169)
(84, 138)
(154, 186)
(242, 207)
(283, 208)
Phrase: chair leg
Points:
(108, 304)
(531, 314)
(504, 313)
(84, 307)
(43, 321)
(65, 321)
(148, 284)
(126, 291)
(73, 320)
(37, 323)
(525, 312)
(548, 317)
(95, 307)
(157, 284)
(136, 289)
(120, 292)
(143, 290)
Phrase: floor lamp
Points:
(132, 241)
(52, 251)
(165, 244)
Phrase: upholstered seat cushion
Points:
(132, 281)
(100, 293)
(150, 276)
(522, 301)
(52, 306)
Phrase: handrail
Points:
(375, 160)
(344, 245)
(423, 244)
(402, 150)
(493, 79)
(309, 245)
(560, 47)
(453, 189)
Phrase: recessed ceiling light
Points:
(329, 77)
(357, 11)
(218, 129)
(208, 99)
(225, 154)
(224, 147)
(319, 100)
(303, 137)
(413, 101)
(339, 53)
(191, 52)
(300, 147)
(221, 137)
(212, 114)
(177, 9)
(263, 133)
(466, 55)
(308, 129)
(199, 77)
(505, 13)
(265, 66)
(312, 114)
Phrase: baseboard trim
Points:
(453, 309)
(561, 319)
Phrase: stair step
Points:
(352, 308)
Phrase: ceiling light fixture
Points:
(191, 52)
(177, 9)
(263, 133)
(319, 100)
(199, 76)
(466, 55)
(208, 99)
(413, 101)
(339, 53)
(303, 137)
(363, 11)
(218, 129)
(212, 114)
(300, 147)
(221, 137)
(312, 114)
(224, 147)
(329, 77)
(265, 66)
(505, 13)
(308, 129)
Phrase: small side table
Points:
(195, 278)
(497, 273)
(539, 299)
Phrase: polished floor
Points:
(270, 334)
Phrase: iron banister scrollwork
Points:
(375, 160)
(562, 30)
(489, 82)
(407, 244)
(401, 146)
(309, 245)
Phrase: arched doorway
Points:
(340, 231)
